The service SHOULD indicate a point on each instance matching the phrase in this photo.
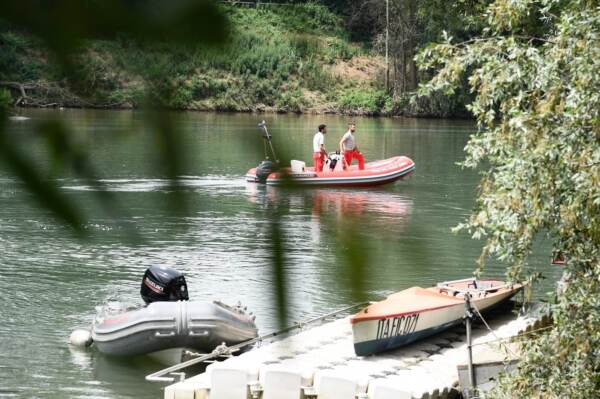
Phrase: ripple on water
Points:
(223, 245)
(216, 184)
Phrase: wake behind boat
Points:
(334, 173)
(416, 313)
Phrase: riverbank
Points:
(280, 59)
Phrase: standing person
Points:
(319, 153)
(349, 149)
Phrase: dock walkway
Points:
(320, 363)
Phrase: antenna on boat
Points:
(267, 139)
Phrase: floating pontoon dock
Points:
(320, 363)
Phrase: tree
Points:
(411, 26)
(534, 73)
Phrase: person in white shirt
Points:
(349, 149)
(319, 153)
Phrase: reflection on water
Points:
(331, 207)
(341, 202)
(53, 280)
(387, 206)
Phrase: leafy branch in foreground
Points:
(65, 28)
(537, 106)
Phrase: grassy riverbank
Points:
(280, 59)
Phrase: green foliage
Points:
(315, 77)
(271, 50)
(537, 104)
(368, 101)
(206, 86)
(436, 104)
(128, 97)
(308, 17)
(305, 45)
(16, 59)
(66, 24)
(6, 100)
(61, 32)
(291, 100)
(338, 49)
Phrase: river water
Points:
(53, 279)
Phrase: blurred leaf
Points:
(45, 191)
(353, 256)
(64, 24)
(278, 268)
(172, 157)
(66, 153)
(278, 244)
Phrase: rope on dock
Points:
(498, 339)
(502, 340)
(507, 339)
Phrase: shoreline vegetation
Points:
(296, 59)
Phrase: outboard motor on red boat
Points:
(333, 158)
(264, 169)
(163, 284)
(269, 165)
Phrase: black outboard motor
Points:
(333, 160)
(162, 283)
(264, 169)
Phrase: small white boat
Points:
(416, 313)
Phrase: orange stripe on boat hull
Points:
(415, 313)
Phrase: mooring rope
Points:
(513, 337)
(498, 339)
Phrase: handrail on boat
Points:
(224, 351)
(464, 280)
(495, 288)
(445, 285)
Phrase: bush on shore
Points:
(278, 58)
(366, 101)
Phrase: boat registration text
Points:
(396, 326)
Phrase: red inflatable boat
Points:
(333, 174)
(375, 173)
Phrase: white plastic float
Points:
(321, 363)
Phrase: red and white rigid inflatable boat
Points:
(375, 173)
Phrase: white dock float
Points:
(320, 363)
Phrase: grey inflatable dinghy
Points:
(196, 325)
(169, 321)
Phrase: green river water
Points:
(52, 280)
